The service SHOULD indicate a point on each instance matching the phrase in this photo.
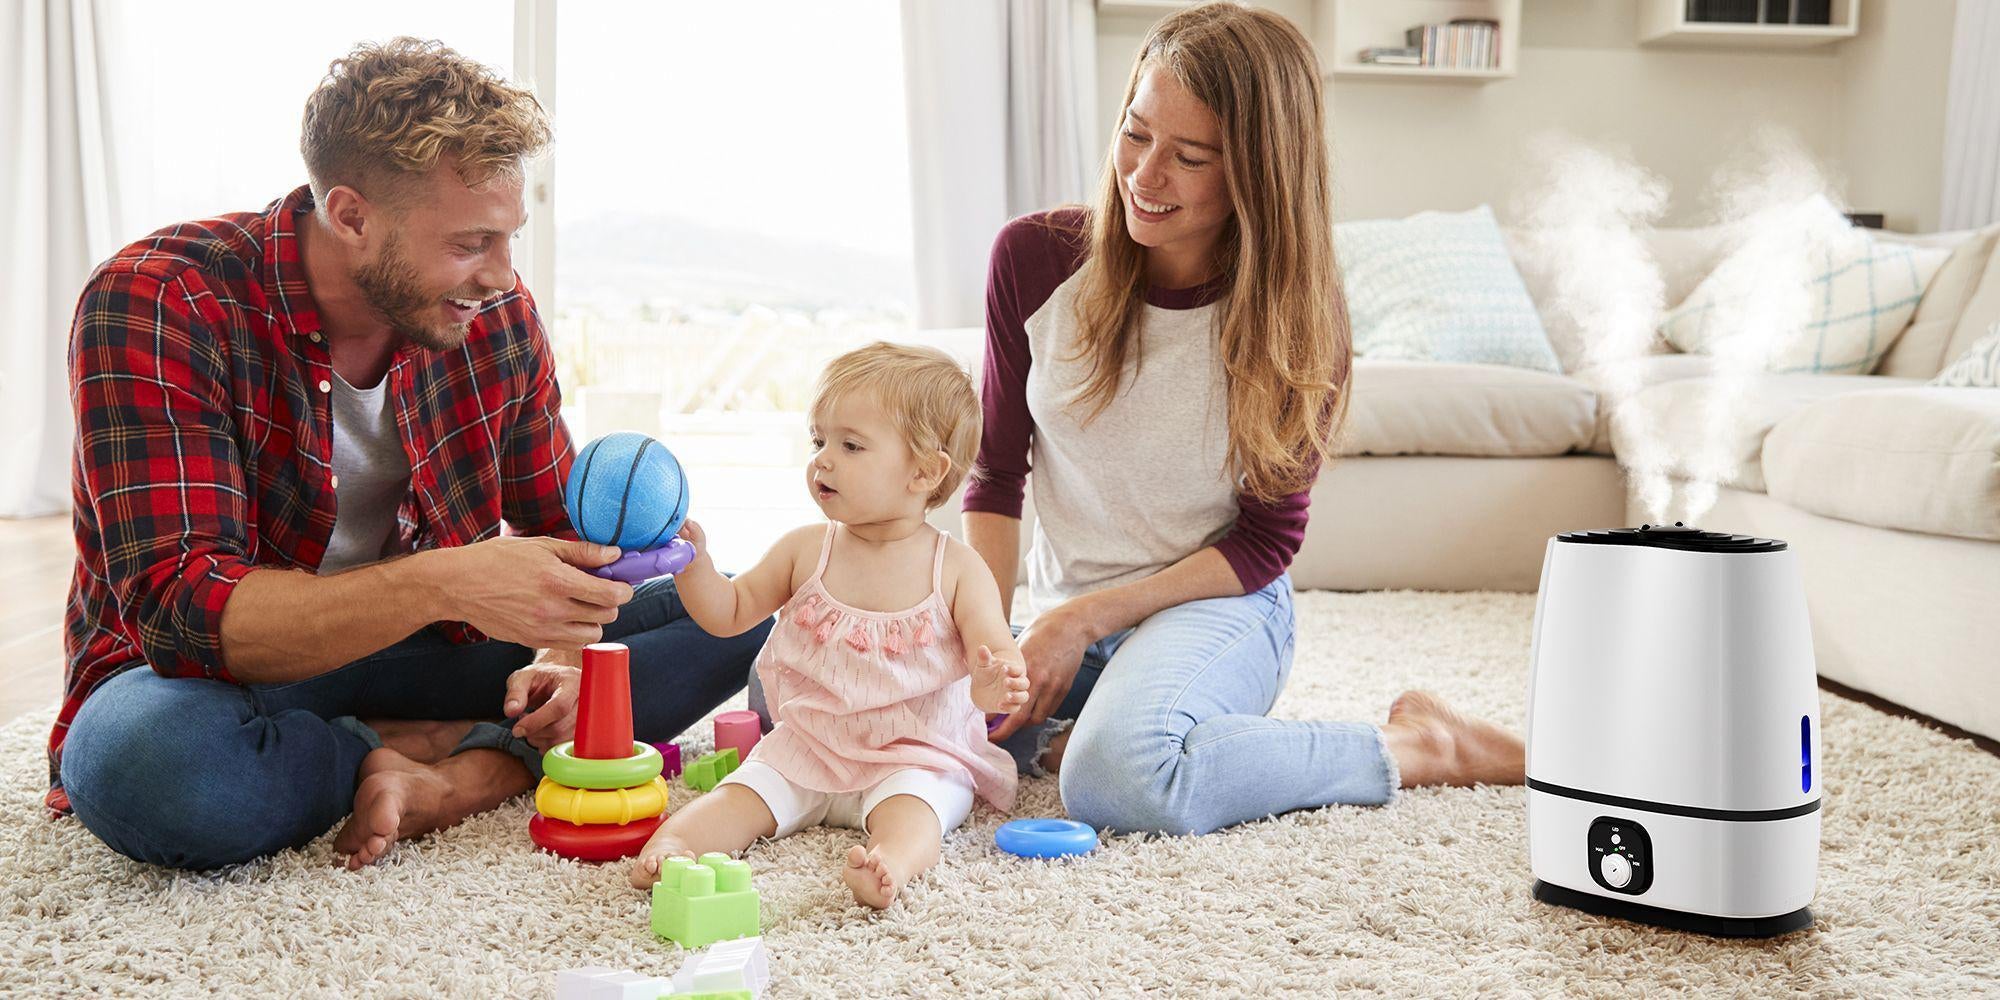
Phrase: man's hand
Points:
(545, 691)
(533, 591)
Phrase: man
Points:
(299, 432)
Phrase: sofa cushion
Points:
(1919, 458)
(1423, 408)
(1982, 310)
(1978, 368)
(1623, 379)
(1858, 296)
(1712, 428)
(1610, 271)
(1920, 351)
(1439, 286)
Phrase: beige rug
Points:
(1429, 896)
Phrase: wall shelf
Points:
(1664, 24)
(1342, 28)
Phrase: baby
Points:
(878, 706)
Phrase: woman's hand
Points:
(1053, 647)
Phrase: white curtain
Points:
(55, 224)
(1972, 120)
(1000, 93)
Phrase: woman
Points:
(1175, 360)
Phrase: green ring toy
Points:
(565, 768)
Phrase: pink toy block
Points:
(739, 729)
(671, 754)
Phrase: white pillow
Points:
(1858, 294)
(1977, 368)
(1439, 286)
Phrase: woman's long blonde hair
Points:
(1285, 341)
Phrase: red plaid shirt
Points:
(204, 450)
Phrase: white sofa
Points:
(1455, 476)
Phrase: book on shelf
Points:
(1385, 55)
(1462, 43)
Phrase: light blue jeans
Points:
(1170, 732)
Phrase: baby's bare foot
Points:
(646, 867)
(1455, 749)
(870, 878)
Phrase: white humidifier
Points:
(1673, 731)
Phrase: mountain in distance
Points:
(611, 264)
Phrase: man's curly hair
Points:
(386, 114)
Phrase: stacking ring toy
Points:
(563, 766)
(610, 805)
(1045, 838)
(592, 843)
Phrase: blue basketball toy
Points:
(628, 490)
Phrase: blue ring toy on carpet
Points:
(1045, 838)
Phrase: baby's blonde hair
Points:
(928, 396)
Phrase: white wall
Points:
(1870, 108)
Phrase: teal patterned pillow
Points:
(1439, 286)
(1861, 293)
(1978, 367)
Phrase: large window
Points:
(732, 209)
(205, 99)
(730, 191)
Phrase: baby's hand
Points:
(691, 530)
(999, 686)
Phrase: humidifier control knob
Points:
(1617, 870)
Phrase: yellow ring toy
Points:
(585, 806)
(562, 764)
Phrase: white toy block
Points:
(629, 986)
(575, 984)
(742, 964)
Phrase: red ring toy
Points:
(592, 842)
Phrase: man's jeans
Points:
(201, 773)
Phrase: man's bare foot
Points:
(1436, 744)
(868, 874)
(425, 741)
(399, 798)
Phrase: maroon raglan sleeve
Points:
(1266, 536)
(1031, 258)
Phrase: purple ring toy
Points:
(638, 567)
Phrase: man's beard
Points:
(390, 285)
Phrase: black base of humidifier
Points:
(1699, 923)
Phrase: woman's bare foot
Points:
(1051, 759)
(399, 798)
(1435, 744)
(869, 875)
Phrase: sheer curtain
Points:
(1972, 120)
(56, 221)
(999, 104)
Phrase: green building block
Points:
(700, 903)
(709, 769)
